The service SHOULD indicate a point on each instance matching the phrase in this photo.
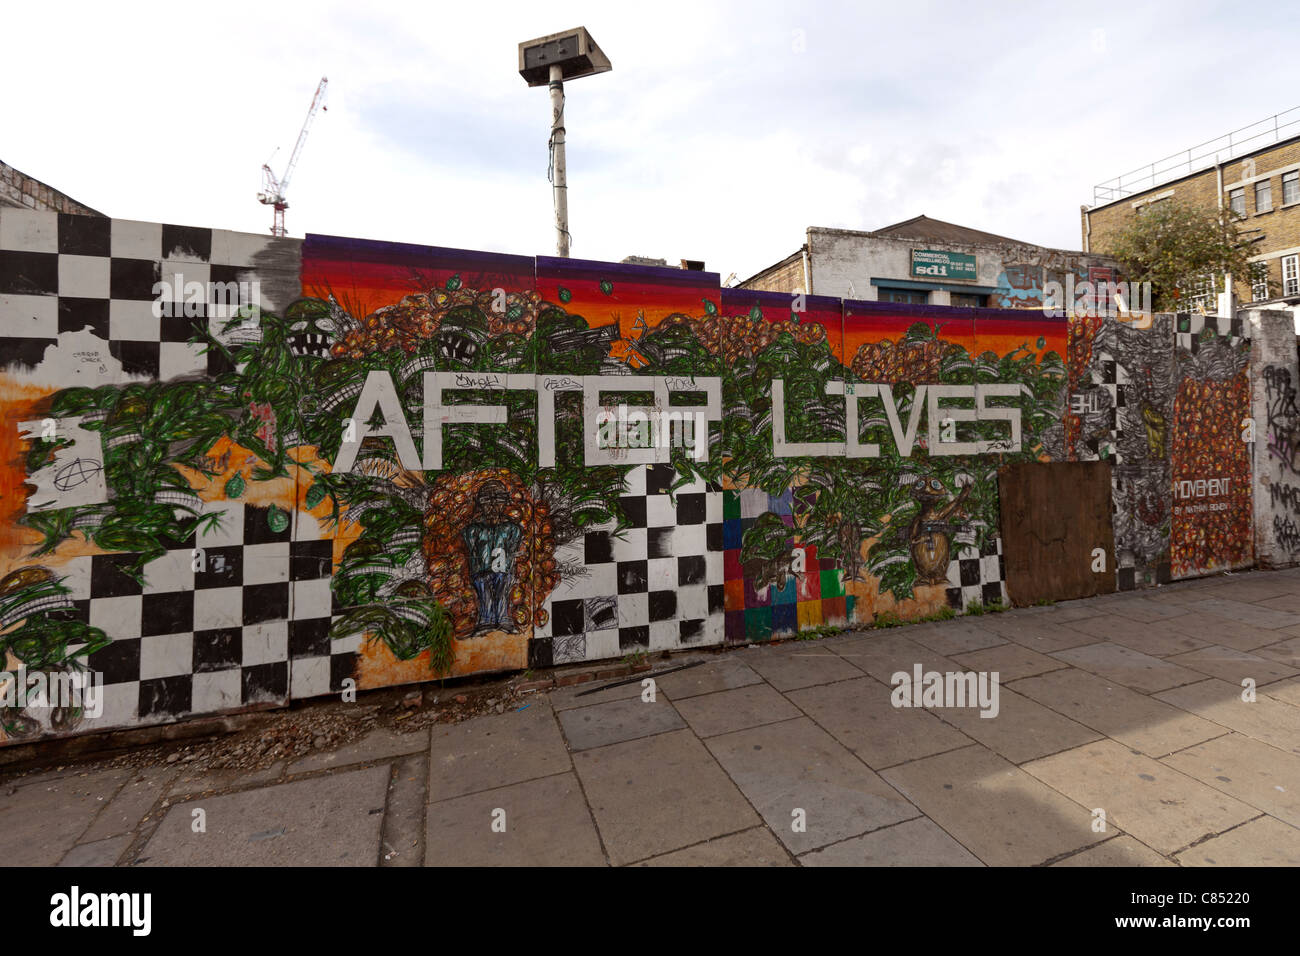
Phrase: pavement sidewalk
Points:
(1121, 739)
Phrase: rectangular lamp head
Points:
(573, 50)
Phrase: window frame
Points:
(1237, 194)
(1267, 186)
(1292, 179)
(1291, 275)
(1259, 282)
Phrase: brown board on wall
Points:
(1054, 518)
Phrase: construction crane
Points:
(273, 189)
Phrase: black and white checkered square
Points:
(141, 288)
(976, 576)
(216, 625)
(646, 588)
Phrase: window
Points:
(1237, 201)
(1263, 196)
(906, 296)
(968, 300)
(1258, 281)
(1291, 187)
(1203, 293)
(1291, 275)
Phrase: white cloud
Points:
(714, 137)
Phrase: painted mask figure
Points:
(492, 540)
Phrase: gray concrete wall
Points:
(1275, 383)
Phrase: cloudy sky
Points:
(724, 130)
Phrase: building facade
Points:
(1255, 172)
(924, 261)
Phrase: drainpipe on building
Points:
(1087, 229)
(1224, 305)
(807, 271)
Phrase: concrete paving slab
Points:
(1253, 772)
(1284, 652)
(1154, 638)
(1142, 672)
(1256, 586)
(1121, 850)
(1163, 808)
(1255, 614)
(1217, 629)
(657, 794)
(1267, 719)
(1022, 730)
(725, 673)
(402, 836)
(883, 654)
(1287, 691)
(1004, 816)
(1289, 602)
(756, 847)
(617, 720)
(796, 766)
(125, 811)
(1134, 719)
(197, 781)
(859, 714)
(42, 820)
(100, 853)
(917, 842)
(954, 637)
(1158, 639)
(1230, 664)
(802, 665)
(1012, 661)
(1261, 842)
(381, 743)
(1146, 610)
(584, 695)
(546, 823)
(493, 751)
(331, 820)
(728, 710)
(1042, 636)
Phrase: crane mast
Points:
(273, 187)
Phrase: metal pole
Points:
(558, 179)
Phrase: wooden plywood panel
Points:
(1054, 517)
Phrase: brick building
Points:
(928, 261)
(1256, 172)
(21, 191)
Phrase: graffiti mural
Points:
(288, 468)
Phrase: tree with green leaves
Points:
(1175, 245)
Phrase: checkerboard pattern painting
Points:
(108, 279)
(809, 598)
(976, 575)
(657, 586)
(215, 624)
(1190, 330)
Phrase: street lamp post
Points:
(551, 60)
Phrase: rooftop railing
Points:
(1239, 142)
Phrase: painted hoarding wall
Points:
(412, 461)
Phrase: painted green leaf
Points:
(606, 286)
(565, 294)
(276, 519)
(1042, 342)
(235, 486)
(315, 494)
(453, 283)
(709, 307)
